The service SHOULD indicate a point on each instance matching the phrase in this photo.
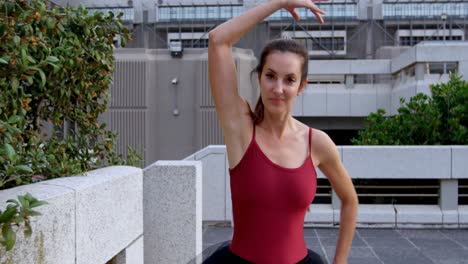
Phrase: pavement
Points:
(377, 246)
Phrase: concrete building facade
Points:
(367, 55)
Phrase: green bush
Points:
(438, 120)
(55, 68)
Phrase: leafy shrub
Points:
(55, 71)
(55, 68)
(438, 120)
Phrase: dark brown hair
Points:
(282, 45)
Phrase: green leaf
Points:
(14, 84)
(33, 213)
(6, 58)
(8, 214)
(38, 203)
(24, 202)
(57, 68)
(31, 59)
(12, 201)
(2, 29)
(30, 79)
(2, 61)
(19, 219)
(59, 26)
(10, 151)
(10, 237)
(52, 59)
(13, 129)
(43, 78)
(16, 40)
(14, 119)
(24, 168)
(50, 23)
(29, 197)
(24, 56)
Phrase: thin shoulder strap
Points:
(310, 139)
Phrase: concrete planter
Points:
(89, 219)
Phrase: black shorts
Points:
(221, 254)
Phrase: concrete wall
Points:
(162, 119)
(362, 162)
(169, 121)
(88, 219)
(115, 215)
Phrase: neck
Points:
(278, 127)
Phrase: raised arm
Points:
(230, 107)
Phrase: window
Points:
(212, 12)
(199, 12)
(442, 67)
(432, 9)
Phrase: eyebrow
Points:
(289, 74)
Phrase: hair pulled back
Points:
(281, 45)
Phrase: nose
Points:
(278, 88)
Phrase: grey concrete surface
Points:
(377, 246)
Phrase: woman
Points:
(271, 184)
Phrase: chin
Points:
(276, 109)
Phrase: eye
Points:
(291, 80)
(269, 75)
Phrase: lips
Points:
(276, 99)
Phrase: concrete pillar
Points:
(463, 69)
(419, 71)
(349, 81)
(421, 86)
(448, 194)
(172, 208)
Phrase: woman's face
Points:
(280, 81)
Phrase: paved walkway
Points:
(388, 246)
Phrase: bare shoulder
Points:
(323, 147)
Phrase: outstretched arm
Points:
(230, 107)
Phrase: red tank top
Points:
(269, 203)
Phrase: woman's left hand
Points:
(291, 5)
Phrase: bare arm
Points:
(332, 167)
(230, 107)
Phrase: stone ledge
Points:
(410, 215)
(53, 236)
(89, 218)
(463, 215)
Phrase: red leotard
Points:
(269, 204)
